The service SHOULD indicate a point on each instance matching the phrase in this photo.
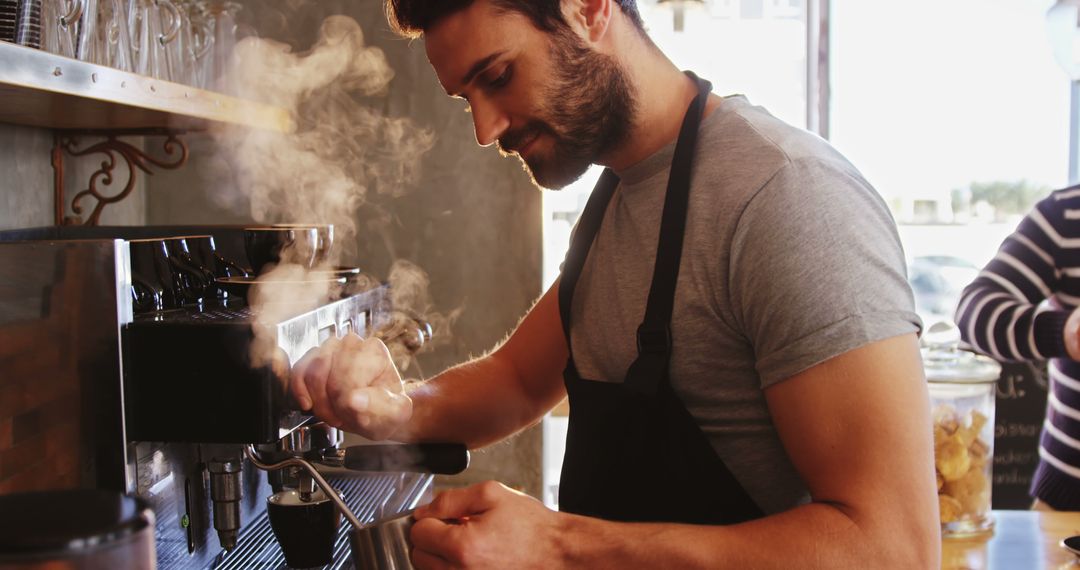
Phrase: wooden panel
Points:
(60, 406)
(5, 435)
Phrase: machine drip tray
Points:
(370, 496)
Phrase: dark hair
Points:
(411, 18)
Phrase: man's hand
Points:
(352, 383)
(485, 526)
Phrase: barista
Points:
(732, 325)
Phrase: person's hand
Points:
(352, 383)
(1072, 335)
(485, 526)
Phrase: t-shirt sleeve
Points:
(817, 269)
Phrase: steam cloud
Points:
(322, 172)
(340, 149)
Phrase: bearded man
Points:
(732, 325)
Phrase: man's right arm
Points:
(354, 384)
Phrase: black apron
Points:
(633, 452)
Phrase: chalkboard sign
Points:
(1021, 408)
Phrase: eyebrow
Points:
(477, 67)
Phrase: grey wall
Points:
(473, 223)
(26, 181)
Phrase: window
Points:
(958, 114)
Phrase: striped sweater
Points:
(1015, 310)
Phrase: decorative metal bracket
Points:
(135, 159)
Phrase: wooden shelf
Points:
(41, 89)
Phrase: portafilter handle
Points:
(319, 442)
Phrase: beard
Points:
(587, 111)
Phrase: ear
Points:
(589, 18)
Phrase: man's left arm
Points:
(857, 428)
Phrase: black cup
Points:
(165, 276)
(306, 531)
(193, 280)
(204, 251)
(151, 276)
(324, 243)
(265, 245)
(146, 296)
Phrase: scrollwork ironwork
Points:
(135, 159)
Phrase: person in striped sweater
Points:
(1023, 306)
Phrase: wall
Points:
(26, 199)
(26, 181)
(473, 222)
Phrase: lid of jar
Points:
(945, 361)
(68, 522)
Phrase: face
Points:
(549, 98)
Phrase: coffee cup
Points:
(306, 530)
(204, 251)
(151, 276)
(294, 245)
(324, 242)
(194, 280)
(165, 276)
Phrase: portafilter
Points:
(314, 506)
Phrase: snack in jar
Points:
(963, 391)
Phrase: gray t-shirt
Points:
(790, 258)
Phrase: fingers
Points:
(310, 378)
(352, 382)
(376, 412)
(423, 560)
(435, 543)
(1072, 335)
(366, 389)
(362, 363)
(460, 503)
(297, 387)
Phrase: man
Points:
(732, 325)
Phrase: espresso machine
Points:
(126, 364)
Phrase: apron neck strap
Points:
(654, 333)
(653, 336)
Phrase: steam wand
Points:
(314, 473)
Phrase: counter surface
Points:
(1022, 539)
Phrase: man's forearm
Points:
(816, 535)
(476, 403)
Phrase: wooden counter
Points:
(1022, 540)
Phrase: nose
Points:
(489, 122)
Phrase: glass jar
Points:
(963, 390)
